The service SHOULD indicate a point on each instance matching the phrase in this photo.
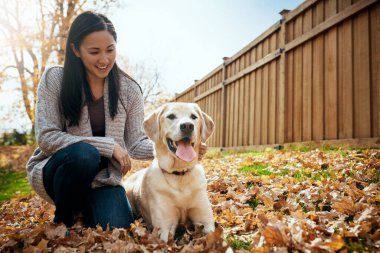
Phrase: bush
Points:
(17, 138)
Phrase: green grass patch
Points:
(256, 168)
(300, 174)
(237, 244)
(283, 172)
(253, 202)
(12, 184)
(376, 175)
(321, 175)
(253, 153)
(214, 154)
(360, 245)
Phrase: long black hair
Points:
(74, 82)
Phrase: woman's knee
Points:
(83, 155)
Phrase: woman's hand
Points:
(121, 155)
(202, 150)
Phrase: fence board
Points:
(246, 112)
(306, 80)
(362, 122)
(343, 4)
(318, 77)
(330, 8)
(241, 111)
(297, 100)
(331, 95)
(229, 115)
(289, 97)
(236, 113)
(272, 102)
(375, 63)
(264, 106)
(318, 14)
(345, 120)
(258, 105)
(252, 107)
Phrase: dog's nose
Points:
(187, 128)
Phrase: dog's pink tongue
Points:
(185, 151)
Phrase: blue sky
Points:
(187, 39)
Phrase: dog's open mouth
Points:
(183, 149)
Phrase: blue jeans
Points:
(67, 178)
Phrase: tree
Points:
(34, 35)
(149, 78)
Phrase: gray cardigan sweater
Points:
(53, 132)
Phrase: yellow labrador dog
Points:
(173, 189)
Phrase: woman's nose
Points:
(103, 59)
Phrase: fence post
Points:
(195, 91)
(224, 104)
(282, 80)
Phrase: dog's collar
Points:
(177, 173)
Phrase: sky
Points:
(183, 39)
(187, 39)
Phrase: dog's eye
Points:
(171, 116)
(193, 116)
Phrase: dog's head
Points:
(177, 130)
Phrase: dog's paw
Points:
(164, 235)
(208, 228)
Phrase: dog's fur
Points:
(172, 190)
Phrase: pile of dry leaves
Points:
(275, 201)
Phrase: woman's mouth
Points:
(102, 68)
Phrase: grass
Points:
(237, 244)
(13, 183)
(262, 170)
(253, 202)
(257, 168)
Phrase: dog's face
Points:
(177, 130)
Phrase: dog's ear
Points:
(207, 126)
(152, 125)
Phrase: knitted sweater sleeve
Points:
(138, 145)
(50, 123)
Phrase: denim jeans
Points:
(67, 178)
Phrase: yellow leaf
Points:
(336, 242)
(42, 245)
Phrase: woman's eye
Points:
(171, 116)
(193, 116)
(93, 53)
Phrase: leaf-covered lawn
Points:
(274, 201)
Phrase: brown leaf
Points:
(214, 237)
(273, 236)
(54, 232)
(344, 206)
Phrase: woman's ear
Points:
(75, 51)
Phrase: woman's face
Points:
(97, 52)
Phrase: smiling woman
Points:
(88, 124)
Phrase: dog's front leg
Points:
(166, 222)
(203, 216)
(167, 230)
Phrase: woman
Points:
(89, 118)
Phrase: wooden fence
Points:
(314, 75)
